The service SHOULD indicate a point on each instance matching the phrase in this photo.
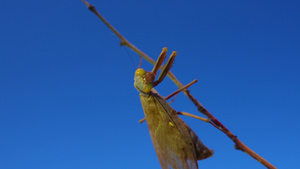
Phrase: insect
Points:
(177, 146)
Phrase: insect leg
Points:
(180, 89)
(166, 69)
(200, 118)
(142, 120)
(194, 116)
(159, 61)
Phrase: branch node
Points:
(237, 147)
(122, 43)
(88, 5)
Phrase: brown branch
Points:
(238, 144)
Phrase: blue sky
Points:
(67, 99)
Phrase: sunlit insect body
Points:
(177, 145)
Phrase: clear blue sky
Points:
(67, 99)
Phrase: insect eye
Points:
(140, 72)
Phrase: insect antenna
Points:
(140, 62)
(129, 56)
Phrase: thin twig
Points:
(238, 144)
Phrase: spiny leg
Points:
(166, 69)
(159, 61)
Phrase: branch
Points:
(215, 122)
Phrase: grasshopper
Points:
(177, 146)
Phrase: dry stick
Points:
(238, 144)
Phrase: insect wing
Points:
(171, 139)
(202, 151)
